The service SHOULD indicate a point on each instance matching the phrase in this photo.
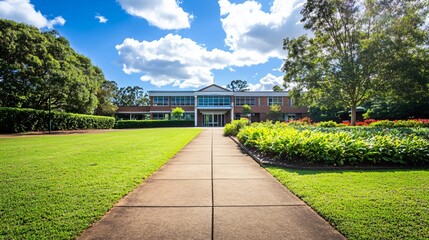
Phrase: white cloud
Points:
(252, 36)
(101, 19)
(164, 14)
(251, 31)
(267, 83)
(172, 60)
(23, 11)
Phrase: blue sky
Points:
(168, 44)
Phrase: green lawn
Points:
(55, 186)
(365, 204)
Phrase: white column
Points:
(232, 111)
(196, 112)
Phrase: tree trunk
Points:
(353, 113)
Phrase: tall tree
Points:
(350, 57)
(106, 96)
(40, 69)
(238, 86)
(131, 96)
(277, 88)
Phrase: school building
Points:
(213, 106)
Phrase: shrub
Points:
(231, 129)
(153, 123)
(328, 124)
(383, 124)
(14, 120)
(339, 146)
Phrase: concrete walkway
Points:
(210, 190)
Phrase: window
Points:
(188, 116)
(160, 116)
(183, 101)
(214, 101)
(290, 102)
(240, 101)
(275, 101)
(160, 101)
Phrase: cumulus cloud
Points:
(164, 14)
(252, 37)
(101, 19)
(250, 30)
(172, 60)
(267, 83)
(23, 11)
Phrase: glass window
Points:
(214, 101)
(183, 101)
(160, 101)
(275, 101)
(160, 116)
(240, 101)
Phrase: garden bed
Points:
(331, 147)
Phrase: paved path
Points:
(210, 190)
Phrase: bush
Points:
(14, 120)
(231, 129)
(338, 146)
(153, 123)
(328, 124)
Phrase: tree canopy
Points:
(238, 86)
(131, 96)
(36, 65)
(359, 50)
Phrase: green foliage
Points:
(56, 186)
(359, 50)
(378, 204)
(177, 113)
(247, 109)
(231, 129)
(35, 65)
(106, 95)
(275, 113)
(14, 120)
(131, 96)
(153, 123)
(277, 88)
(238, 86)
(349, 146)
(328, 124)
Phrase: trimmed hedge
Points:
(153, 123)
(14, 120)
(351, 146)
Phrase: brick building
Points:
(213, 106)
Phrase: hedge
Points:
(14, 120)
(153, 123)
(351, 146)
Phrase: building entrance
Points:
(213, 120)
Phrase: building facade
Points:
(213, 106)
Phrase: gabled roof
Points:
(213, 88)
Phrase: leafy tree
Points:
(277, 88)
(106, 95)
(238, 86)
(354, 51)
(36, 67)
(275, 113)
(131, 96)
(247, 110)
(177, 113)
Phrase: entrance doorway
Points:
(213, 120)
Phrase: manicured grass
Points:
(54, 187)
(390, 204)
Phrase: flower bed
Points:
(338, 146)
